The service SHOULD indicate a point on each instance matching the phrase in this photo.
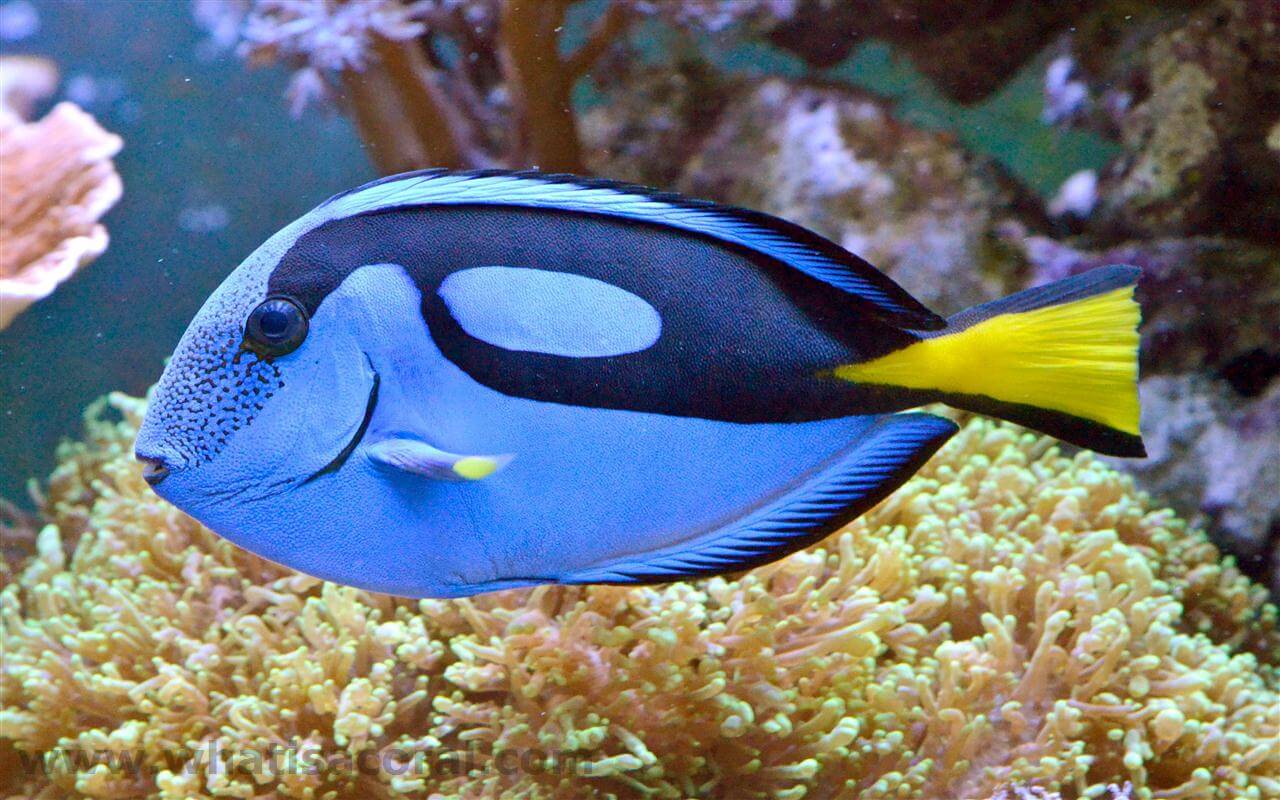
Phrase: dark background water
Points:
(213, 163)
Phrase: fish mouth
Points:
(154, 469)
(156, 460)
(345, 453)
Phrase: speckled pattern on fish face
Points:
(212, 387)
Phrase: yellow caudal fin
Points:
(1061, 358)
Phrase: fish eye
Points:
(276, 327)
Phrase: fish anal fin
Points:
(850, 484)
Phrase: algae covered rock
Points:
(912, 202)
(1193, 98)
(967, 50)
(1012, 622)
(654, 120)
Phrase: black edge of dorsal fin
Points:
(763, 233)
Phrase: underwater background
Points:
(1016, 621)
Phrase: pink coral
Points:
(58, 181)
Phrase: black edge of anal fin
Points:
(889, 453)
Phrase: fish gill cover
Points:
(1013, 622)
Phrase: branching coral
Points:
(1011, 622)
(56, 182)
(434, 82)
(452, 83)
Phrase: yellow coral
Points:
(1012, 622)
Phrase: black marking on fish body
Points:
(884, 297)
(1069, 428)
(341, 458)
(745, 337)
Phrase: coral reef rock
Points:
(1012, 622)
(58, 181)
(653, 121)
(968, 50)
(912, 202)
(1212, 452)
(1203, 97)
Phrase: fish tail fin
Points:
(1060, 358)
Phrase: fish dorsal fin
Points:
(767, 235)
(890, 452)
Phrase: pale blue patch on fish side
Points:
(557, 313)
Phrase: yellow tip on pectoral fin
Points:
(474, 468)
(1076, 355)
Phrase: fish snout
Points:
(154, 468)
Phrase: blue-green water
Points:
(201, 134)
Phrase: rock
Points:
(912, 202)
(1206, 95)
(1212, 456)
(967, 50)
(653, 120)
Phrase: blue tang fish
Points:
(444, 383)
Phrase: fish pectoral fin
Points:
(420, 458)
(851, 483)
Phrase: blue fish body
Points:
(447, 383)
